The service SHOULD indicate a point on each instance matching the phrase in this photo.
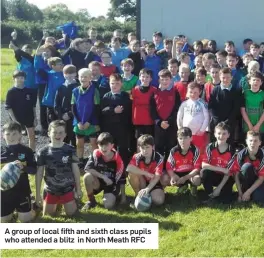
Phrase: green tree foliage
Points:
(123, 8)
(4, 14)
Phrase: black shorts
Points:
(113, 189)
(87, 138)
(27, 122)
(157, 186)
(14, 200)
(182, 174)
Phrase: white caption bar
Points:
(79, 236)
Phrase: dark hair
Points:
(254, 134)
(107, 52)
(230, 43)
(69, 69)
(198, 43)
(87, 41)
(57, 123)
(145, 139)
(95, 63)
(222, 126)
(115, 76)
(245, 41)
(216, 66)
(54, 61)
(262, 43)
(234, 55)
(77, 42)
(201, 71)
(157, 33)
(116, 39)
(131, 34)
(99, 44)
(173, 61)
(146, 71)
(164, 73)
(104, 139)
(256, 74)
(208, 56)
(222, 53)
(213, 42)
(127, 61)
(182, 56)
(254, 45)
(167, 41)
(19, 73)
(150, 45)
(12, 126)
(193, 85)
(184, 132)
(226, 70)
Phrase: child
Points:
(103, 172)
(205, 89)
(116, 119)
(62, 175)
(185, 59)
(224, 103)
(95, 53)
(152, 62)
(129, 80)
(246, 46)
(86, 109)
(212, 46)
(21, 104)
(177, 46)
(253, 66)
(252, 105)
(193, 113)
(208, 60)
(237, 74)
(131, 36)
(230, 47)
(135, 55)
(221, 58)
(184, 163)
(165, 54)
(198, 62)
(63, 98)
(19, 197)
(197, 49)
(164, 107)
(255, 51)
(157, 40)
(141, 105)
(101, 82)
(145, 170)
(247, 58)
(173, 67)
(261, 49)
(92, 35)
(215, 173)
(181, 86)
(107, 68)
(214, 72)
(248, 170)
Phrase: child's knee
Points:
(165, 180)
(109, 201)
(196, 180)
(158, 197)
(88, 178)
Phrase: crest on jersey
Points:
(27, 97)
(21, 156)
(65, 159)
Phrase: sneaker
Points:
(89, 205)
(193, 190)
(24, 132)
(182, 189)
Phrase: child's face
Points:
(12, 137)
(157, 39)
(184, 74)
(229, 49)
(255, 84)
(57, 67)
(253, 68)
(115, 44)
(186, 60)
(184, 142)
(50, 41)
(19, 80)
(231, 62)
(95, 70)
(145, 79)
(225, 79)
(261, 49)
(178, 49)
(99, 50)
(106, 149)
(197, 48)
(115, 85)
(173, 68)
(47, 53)
(131, 38)
(221, 60)
(81, 47)
(247, 45)
(165, 82)
(146, 151)
(211, 46)
(221, 135)
(150, 51)
(168, 47)
(247, 60)
(127, 68)
(198, 62)
(106, 59)
(87, 47)
(135, 48)
(85, 79)
(92, 34)
(57, 134)
(193, 94)
(253, 143)
(200, 78)
(254, 52)
(207, 63)
(69, 76)
(214, 72)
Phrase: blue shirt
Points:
(159, 47)
(154, 64)
(118, 56)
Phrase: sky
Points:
(94, 7)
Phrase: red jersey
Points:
(107, 70)
(216, 158)
(184, 163)
(182, 89)
(208, 87)
(141, 105)
(154, 167)
(243, 157)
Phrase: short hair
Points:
(115, 76)
(208, 56)
(106, 52)
(84, 71)
(117, 30)
(222, 126)
(167, 41)
(179, 43)
(226, 70)
(201, 71)
(198, 43)
(157, 33)
(116, 39)
(12, 126)
(164, 73)
(222, 53)
(184, 66)
(229, 43)
(77, 42)
(184, 132)
(131, 34)
(150, 45)
(254, 45)
(99, 44)
(145, 139)
(173, 61)
(256, 74)
(52, 49)
(213, 42)
(232, 55)
(54, 61)
(95, 63)
(128, 61)
(69, 69)
(254, 134)
(247, 40)
(105, 138)
(193, 85)
(215, 66)
(146, 71)
(86, 40)
(247, 55)
(135, 42)
(56, 124)
(183, 55)
(252, 63)
(19, 73)
(261, 44)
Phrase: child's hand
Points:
(174, 179)
(143, 192)
(215, 193)
(246, 196)
(93, 49)
(39, 201)
(45, 34)
(19, 164)
(255, 128)
(80, 126)
(86, 125)
(108, 181)
(164, 124)
(118, 109)
(11, 45)
(78, 194)
(65, 117)
(239, 197)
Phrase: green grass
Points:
(186, 228)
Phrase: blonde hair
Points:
(84, 71)
(251, 64)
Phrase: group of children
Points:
(165, 113)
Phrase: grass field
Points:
(187, 228)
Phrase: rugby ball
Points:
(143, 203)
(10, 175)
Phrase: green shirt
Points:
(254, 107)
(244, 83)
(128, 85)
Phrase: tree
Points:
(4, 14)
(122, 8)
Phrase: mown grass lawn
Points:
(186, 227)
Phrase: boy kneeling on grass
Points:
(183, 164)
(103, 172)
(145, 170)
(62, 175)
(248, 168)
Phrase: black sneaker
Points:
(89, 205)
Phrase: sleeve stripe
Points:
(262, 161)
(196, 155)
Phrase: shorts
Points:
(13, 200)
(91, 130)
(50, 198)
(157, 186)
(182, 174)
(87, 137)
(113, 189)
(27, 122)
